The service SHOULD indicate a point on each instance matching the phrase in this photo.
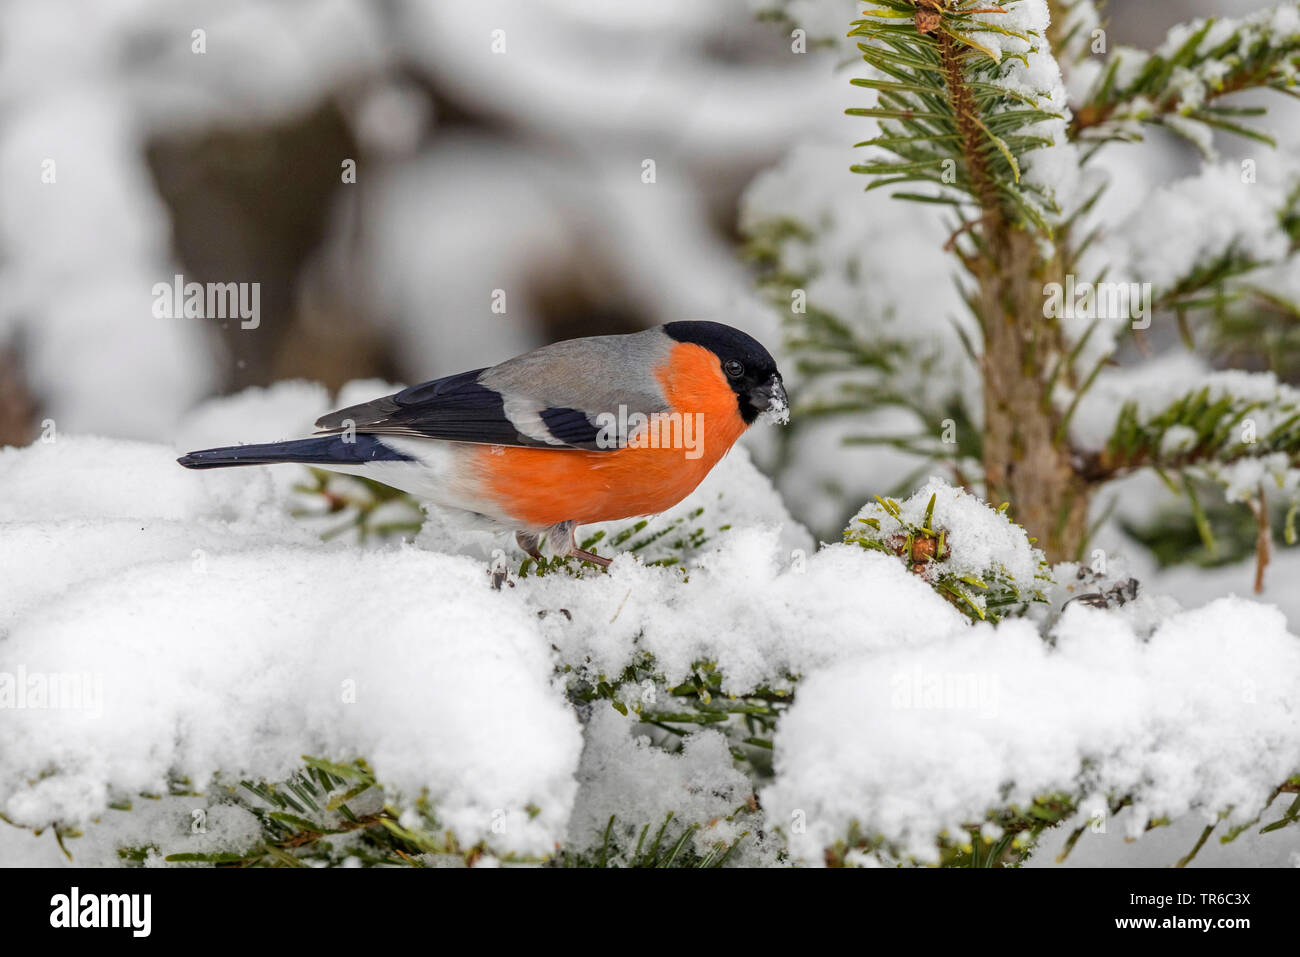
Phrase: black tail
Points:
(319, 450)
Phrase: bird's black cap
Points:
(731, 346)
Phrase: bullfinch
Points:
(586, 430)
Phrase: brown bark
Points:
(1024, 462)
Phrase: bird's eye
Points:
(733, 368)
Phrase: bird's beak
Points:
(770, 397)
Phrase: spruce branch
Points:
(1251, 312)
(1180, 85)
(918, 534)
(368, 509)
(948, 118)
(969, 126)
(1256, 324)
(1233, 433)
(1208, 428)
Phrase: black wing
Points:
(459, 408)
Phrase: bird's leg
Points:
(530, 543)
(585, 556)
(557, 534)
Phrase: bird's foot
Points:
(585, 556)
(530, 543)
(563, 544)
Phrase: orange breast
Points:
(542, 487)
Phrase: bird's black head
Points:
(750, 369)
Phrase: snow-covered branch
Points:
(1180, 83)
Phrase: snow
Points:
(1078, 20)
(222, 632)
(1199, 75)
(1159, 231)
(1197, 133)
(811, 187)
(221, 663)
(760, 614)
(228, 641)
(1156, 384)
(826, 479)
(580, 70)
(1199, 716)
(1028, 67)
(981, 542)
(1273, 27)
(1178, 438)
(625, 777)
(912, 301)
(1131, 62)
(1193, 221)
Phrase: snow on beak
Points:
(770, 397)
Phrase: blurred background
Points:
(418, 187)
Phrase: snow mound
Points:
(918, 741)
(243, 663)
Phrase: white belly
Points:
(438, 473)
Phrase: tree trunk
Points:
(1024, 462)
